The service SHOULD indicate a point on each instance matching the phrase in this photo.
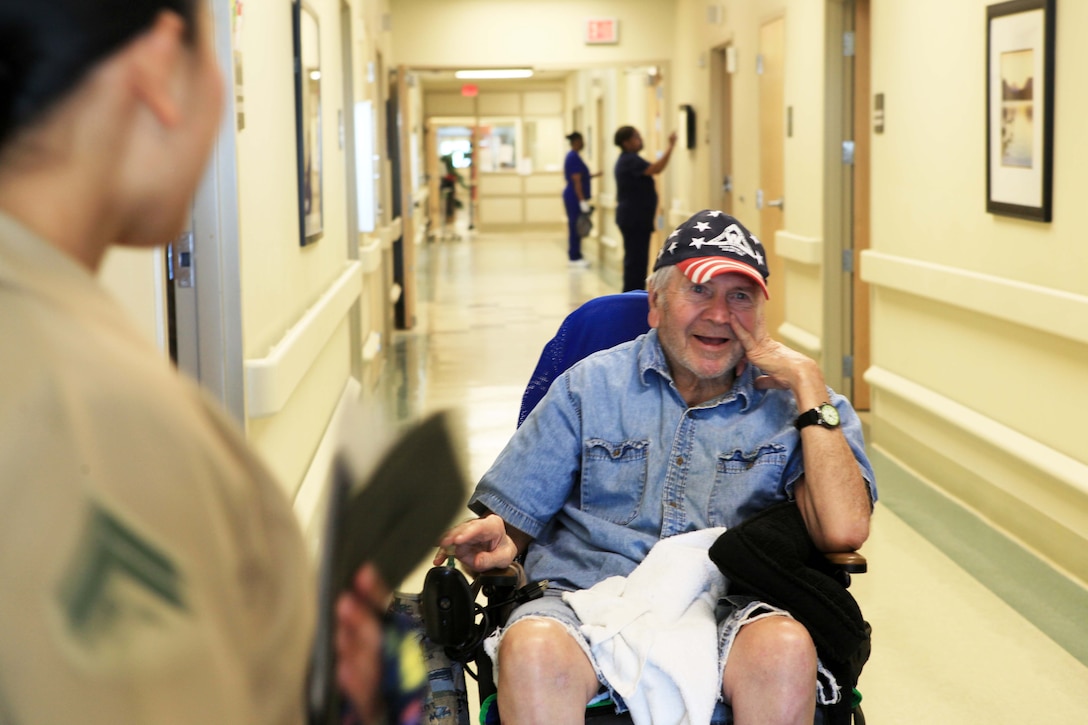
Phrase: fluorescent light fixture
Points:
(495, 73)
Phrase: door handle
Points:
(779, 203)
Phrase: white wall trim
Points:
(801, 340)
(271, 380)
(372, 346)
(1053, 463)
(310, 498)
(1055, 312)
(391, 232)
(370, 253)
(797, 248)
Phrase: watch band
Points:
(825, 415)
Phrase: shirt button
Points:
(679, 460)
(674, 504)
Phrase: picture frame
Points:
(1020, 108)
(308, 122)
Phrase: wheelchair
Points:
(452, 617)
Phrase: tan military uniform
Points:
(151, 570)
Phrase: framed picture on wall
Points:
(1020, 108)
(311, 208)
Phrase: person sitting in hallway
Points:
(636, 202)
(700, 423)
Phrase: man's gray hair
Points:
(659, 279)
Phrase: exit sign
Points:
(602, 30)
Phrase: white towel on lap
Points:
(653, 632)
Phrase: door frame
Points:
(846, 206)
(721, 132)
(772, 158)
(207, 316)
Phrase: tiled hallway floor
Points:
(945, 649)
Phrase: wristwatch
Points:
(824, 414)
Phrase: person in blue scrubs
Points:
(576, 196)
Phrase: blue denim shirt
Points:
(612, 460)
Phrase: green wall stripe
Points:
(1044, 596)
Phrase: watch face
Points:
(829, 414)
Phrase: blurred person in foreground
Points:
(151, 568)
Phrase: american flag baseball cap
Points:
(712, 243)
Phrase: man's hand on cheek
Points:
(780, 364)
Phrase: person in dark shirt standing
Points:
(636, 203)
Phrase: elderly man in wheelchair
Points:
(686, 431)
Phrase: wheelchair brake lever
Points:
(529, 592)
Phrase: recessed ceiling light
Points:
(495, 73)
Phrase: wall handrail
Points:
(1056, 312)
(1040, 456)
(798, 248)
(272, 379)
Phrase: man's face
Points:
(692, 322)
(634, 143)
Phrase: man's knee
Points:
(776, 649)
(539, 642)
(543, 649)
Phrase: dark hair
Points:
(48, 46)
(623, 133)
(574, 136)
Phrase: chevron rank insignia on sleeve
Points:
(121, 598)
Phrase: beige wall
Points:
(469, 33)
(980, 322)
(280, 279)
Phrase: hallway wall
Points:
(281, 280)
(980, 322)
(482, 33)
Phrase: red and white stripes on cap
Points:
(702, 269)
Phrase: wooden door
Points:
(772, 135)
(722, 131)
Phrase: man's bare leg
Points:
(770, 677)
(544, 676)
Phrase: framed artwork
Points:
(311, 208)
(1020, 108)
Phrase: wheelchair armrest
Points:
(850, 562)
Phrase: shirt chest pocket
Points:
(746, 482)
(613, 478)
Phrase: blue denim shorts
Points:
(732, 613)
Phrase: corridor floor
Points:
(945, 649)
